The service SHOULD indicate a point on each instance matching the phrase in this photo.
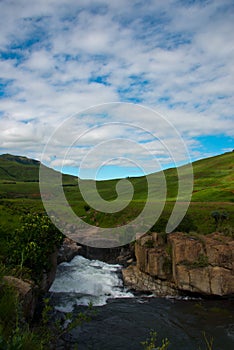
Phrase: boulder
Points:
(27, 294)
(68, 250)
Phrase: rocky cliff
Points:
(183, 263)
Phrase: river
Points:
(123, 320)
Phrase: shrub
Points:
(150, 343)
(186, 225)
(160, 225)
(86, 207)
(33, 243)
(219, 217)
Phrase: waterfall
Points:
(83, 281)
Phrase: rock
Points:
(49, 276)
(152, 260)
(141, 281)
(203, 265)
(157, 239)
(221, 281)
(193, 280)
(68, 250)
(188, 263)
(27, 294)
(118, 255)
(207, 280)
(220, 251)
(185, 248)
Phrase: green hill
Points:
(213, 190)
(18, 168)
(22, 169)
(213, 180)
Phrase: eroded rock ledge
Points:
(186, 263)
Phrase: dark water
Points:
(123, 323)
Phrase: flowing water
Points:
(122, 320)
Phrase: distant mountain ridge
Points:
(23, 169)
(19, 159)
(18, 168)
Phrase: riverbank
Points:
(173, 264)
(123, 319)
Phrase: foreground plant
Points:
(17, 334)
(32, 245)
(150, 344)
(208, 342)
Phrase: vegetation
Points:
(219, 217)
(208, 342)
(150, 343)
(14, 330)
(16, 333)
(32, 245)
(202, 261)
(19, 194)
(149, 244)
(28, 238)
(24, 253)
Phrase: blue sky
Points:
(61, 57)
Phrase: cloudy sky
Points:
(61, 58)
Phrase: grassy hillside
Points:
(16, 168)
(213, 190)
(213, 180)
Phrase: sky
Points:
(108, 89)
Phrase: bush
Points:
(150, 343)
(33, 243)
(219, 217)
(186, 225)
(86, 207)
(160, 225)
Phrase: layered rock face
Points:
(187, 263)
(204, 264)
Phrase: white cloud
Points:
(60, 57)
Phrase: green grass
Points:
(213, 190)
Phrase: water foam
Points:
(83, 281)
